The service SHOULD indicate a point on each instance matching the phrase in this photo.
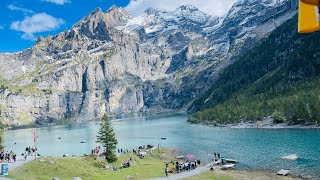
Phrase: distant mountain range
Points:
(112, 62)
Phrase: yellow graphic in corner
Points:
(311, 2)
(308, 16)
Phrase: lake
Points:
(256, 149)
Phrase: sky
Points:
(23, 21)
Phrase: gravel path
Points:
(183, 175)
(20, 161)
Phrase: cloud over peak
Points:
(37, 23)
(212, 7)
(59, 2)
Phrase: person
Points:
(1, 157)
(8, 157)
(177, 167)
(14, 156)
(166, 171)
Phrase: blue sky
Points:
(23, 21)
(43, 17)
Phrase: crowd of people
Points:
(30, 151)
(125, 151)
(96, 150)
(217, 157)
(8, 156)
(180, 167)
(134, 151)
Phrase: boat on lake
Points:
(232, 161)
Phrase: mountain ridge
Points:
(111, 62)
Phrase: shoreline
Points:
(266, 123)
(112, 118)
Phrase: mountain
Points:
(115, 63)
(278, 78)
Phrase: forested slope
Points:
(279, 78)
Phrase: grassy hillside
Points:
(279, 78)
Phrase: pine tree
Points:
(107, 138)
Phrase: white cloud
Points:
(16, 8)
(60, 2)
(213, 7)
(37, 23)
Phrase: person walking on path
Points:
(166, 171)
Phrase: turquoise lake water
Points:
(257, 149)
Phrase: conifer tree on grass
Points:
(107, 138)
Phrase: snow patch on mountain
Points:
(155, 21)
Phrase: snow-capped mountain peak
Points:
(186, 17)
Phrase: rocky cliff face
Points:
(112, 62)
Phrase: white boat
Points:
(228, 166)
(83, 142)
(232, 161)
(283, 172)
(291, 157)
(180, 157)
